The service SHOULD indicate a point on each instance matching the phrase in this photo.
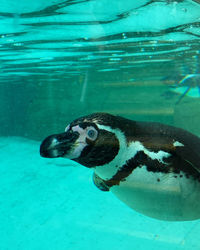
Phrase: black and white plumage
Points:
(153, 168)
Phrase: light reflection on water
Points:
(80, 35)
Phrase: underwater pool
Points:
(60, 60)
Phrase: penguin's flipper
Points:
(99, 183)
(188, 149)
(190, 156)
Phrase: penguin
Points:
(152, 167)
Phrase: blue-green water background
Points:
(63, 59)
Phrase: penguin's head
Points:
(87, 140)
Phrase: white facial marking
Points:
(89, 132)
(81, 131)
(125, 153)
(75, 152)
(178, 144)
(81, 143)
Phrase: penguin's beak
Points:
(58, 145)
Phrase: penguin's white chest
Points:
(165, 196)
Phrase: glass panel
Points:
(61, 60)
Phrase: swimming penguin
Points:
(152, 167)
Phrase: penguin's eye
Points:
(92, 134)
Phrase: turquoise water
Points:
(64, 59)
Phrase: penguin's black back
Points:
(154, 136)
